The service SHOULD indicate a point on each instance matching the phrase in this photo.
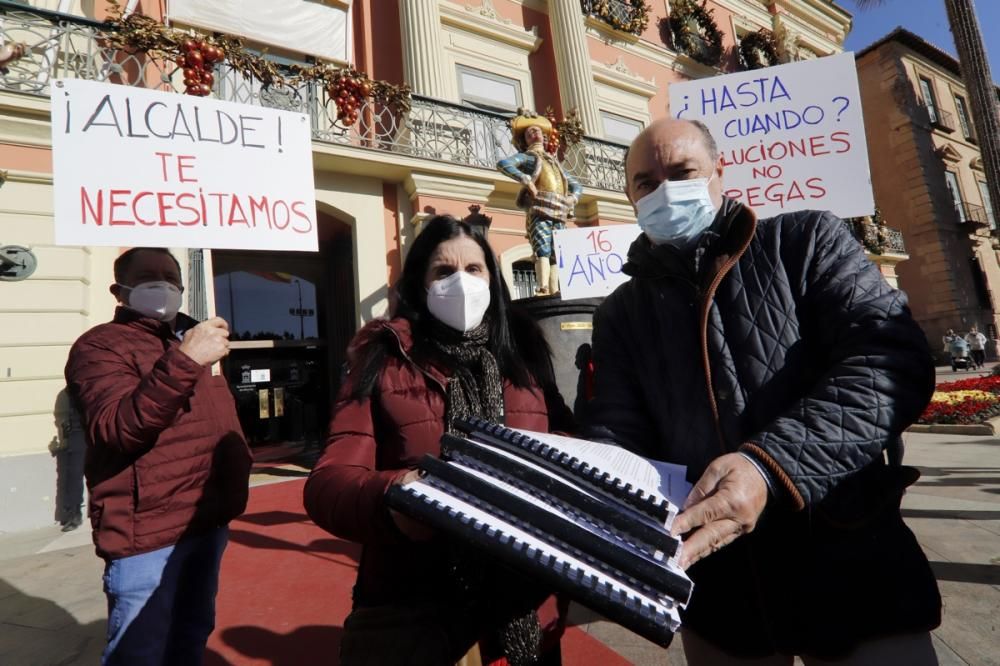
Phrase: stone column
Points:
(576, 80)
(420, 21)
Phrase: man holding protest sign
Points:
(167, 465)
(771, 357)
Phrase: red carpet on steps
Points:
(285, 589)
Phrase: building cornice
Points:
(618, 75)
(484, 21)
(424, 184)
(678, 62)
(818, 16)
(29, 177)
(753, 12)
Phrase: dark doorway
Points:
(291, 315)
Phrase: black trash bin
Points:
(567, 326)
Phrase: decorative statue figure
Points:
(549, 195)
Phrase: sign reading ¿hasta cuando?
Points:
(791, 137)
(135, 167)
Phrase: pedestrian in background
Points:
(167, 466)
(69, 448)
(977, 345)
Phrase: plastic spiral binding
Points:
(622, 521)
(617, 603)
(652, 505)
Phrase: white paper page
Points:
(592, 576)
(652, 477)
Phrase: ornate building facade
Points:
(470, 65)
(929, 181)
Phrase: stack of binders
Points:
(589, 520)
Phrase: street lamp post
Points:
(302, 316)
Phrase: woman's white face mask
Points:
(158, 300)
(459, 300)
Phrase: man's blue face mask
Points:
(677, 212)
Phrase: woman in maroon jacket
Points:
(454, 347)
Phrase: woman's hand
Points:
(411, 529)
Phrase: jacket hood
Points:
(729, 229)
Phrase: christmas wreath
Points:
(633, 21)
(694, 32)
(757, 50)
(196, 55)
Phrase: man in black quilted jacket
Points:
(771, 358)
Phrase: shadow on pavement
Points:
(317, 548)
(303, 647)
(34, 630)
(280, 471)
(951, 514)
(268, 518)
(984, 574)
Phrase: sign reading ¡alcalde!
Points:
(135, 167)
(791, 137)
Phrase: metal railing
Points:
(940, 119)
(612, 12)
(876, 238)
(61, 46)
(969, 213)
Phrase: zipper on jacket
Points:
(706, 307)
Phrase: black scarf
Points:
(476, 389)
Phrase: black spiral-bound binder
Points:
(576, 527)
(653, 505)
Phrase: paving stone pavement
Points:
(52, 610)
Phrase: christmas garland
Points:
(568, 131)
(694, 32)
(196, 55)
(634, 25)
(757, 50)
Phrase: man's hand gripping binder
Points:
(589, 520)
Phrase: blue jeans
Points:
(161, 605)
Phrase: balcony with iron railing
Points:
(972, 215)
(616, 13)
(940, 119)
(62, 46)
(877, 239)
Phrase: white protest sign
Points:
(792, 137)
(591, 260)
(135, 167)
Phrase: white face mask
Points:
(676, 212)
(159, 300)
(459, 300)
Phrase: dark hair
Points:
(515, 340)
(124, 262)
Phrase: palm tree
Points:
(982, 91)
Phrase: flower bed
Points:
(964, 402)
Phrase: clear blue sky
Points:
(926, 18)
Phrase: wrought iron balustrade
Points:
(613, 12)
(940, 119)
(972, 214)
(876, 238)
(63, 46)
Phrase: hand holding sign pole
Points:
(791, 136)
